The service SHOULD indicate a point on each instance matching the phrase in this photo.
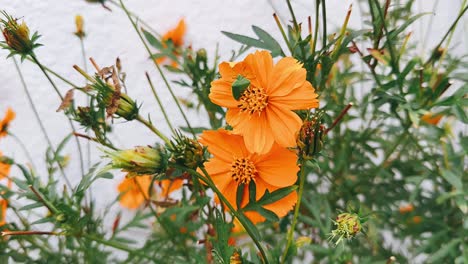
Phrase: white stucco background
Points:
(110, 35)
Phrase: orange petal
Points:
(284, 125)
(219, 172)
(227, 72)
(230, 192)
(178, 37)
(303, 97)
(9, 116)
(283, 206)
(278, 168)
(223, 144)
(287, 75)
(260, 64)
(221, 94)
(169, 186)
(257, 133)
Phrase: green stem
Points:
(4, 46)
(148, 26)
(314, 44)
(152, 128)
(166, 82)
(283, 33)
(46, 203)
(324, 18)
(88, 143)
(302, 180)
(238, 215)
(72, 126)
(389, 42)
(41, 124)
(452, 27)
(159, 102)
(291, 11)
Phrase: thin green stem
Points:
(324, 23)
(88, 143)
(4, 46)
(283, 33)
(46, 203)
(239, 216)
(302, 180)
(314, 44)
(152, 128)
(159, 102)
(166, 82)
(72, 126)
(293, 16)
(148, 26)
(39, 120)
(452, 27)
(389, 42)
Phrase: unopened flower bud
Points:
(61, 218)
(79, 22)
(201, 54)
(347, 226)
(140, 160)
(127, 108)
(17, 35)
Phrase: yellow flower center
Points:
(243, 170)
(254, 99)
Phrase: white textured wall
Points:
(110, 35)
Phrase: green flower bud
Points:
(347, 226)
(140, 160)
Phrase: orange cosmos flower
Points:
(233, 164)
(431, 119)
(3, 208)
(134, 190)
(9, 116)
(263, 114)
(169, 186)
(176, 36)
(4, 168)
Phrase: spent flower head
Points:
(310, 137)
(108, 94)
(17, 36)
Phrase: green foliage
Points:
(385, 164)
